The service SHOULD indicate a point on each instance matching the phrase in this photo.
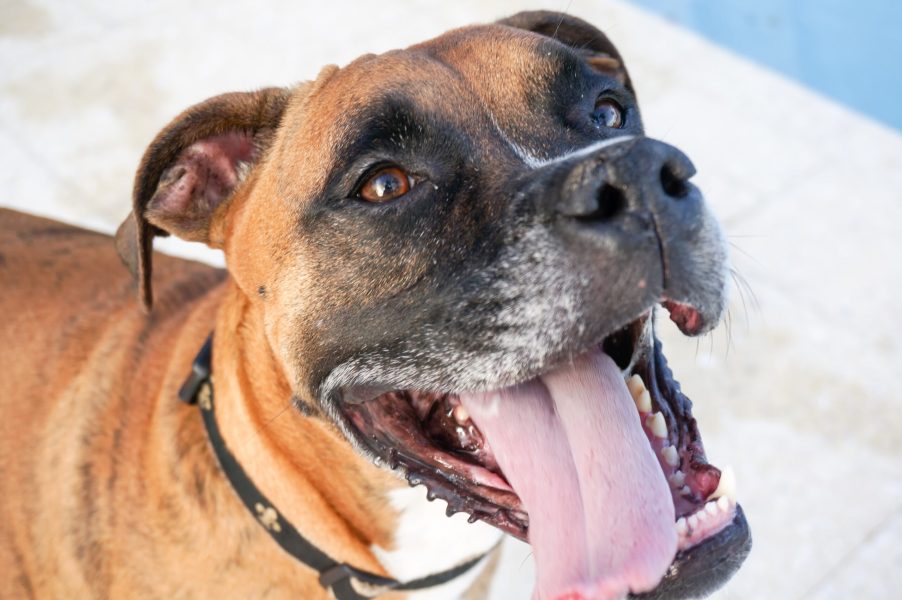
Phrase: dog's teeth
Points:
(686, 491)
(460, 414)
(692, 521)
(711, 508)
(701, 515)
(635, 385)
(723, 503)
(681, 527)
(657, 425)
(677, 479)
(671, 456)
(643, 401)
(726, 486)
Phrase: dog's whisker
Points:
(739, 249)
(561, 21)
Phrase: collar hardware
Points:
(342, 580)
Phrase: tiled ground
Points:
(798, 394)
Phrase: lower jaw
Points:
(700, 570)
(712, 533)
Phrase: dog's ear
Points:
(191, 169)
(589, 41)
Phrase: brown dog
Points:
(441, 262)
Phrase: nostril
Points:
(674, 185)
(610, 202)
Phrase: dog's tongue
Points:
(601, 517)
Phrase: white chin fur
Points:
(426, 542)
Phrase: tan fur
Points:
(108, 486)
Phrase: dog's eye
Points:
(608, 113)
(386, 184)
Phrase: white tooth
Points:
(671, 456)
(643, 401)
(677, 479)
(635, 385)
(711, 508)
(723, 503)
(681, 527)
(657, 425)
(460, 414)
(702, 515)
(726, 486)
(693, 521)
(686, 491)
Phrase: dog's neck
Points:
(353, 511)
(332, 495)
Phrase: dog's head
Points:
(456, 249)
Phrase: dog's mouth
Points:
(598, 464)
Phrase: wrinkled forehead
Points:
(472, 80)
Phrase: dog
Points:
(442, 268)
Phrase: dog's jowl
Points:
(443, 263)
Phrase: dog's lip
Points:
(507, 513)
(686, 316)
(700, 570)
(636, 333)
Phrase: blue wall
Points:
(849, 50)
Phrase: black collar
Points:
(345, 582)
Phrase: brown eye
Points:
(385, 184)
(608, 113)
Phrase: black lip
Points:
(694, 573)
(702, 569)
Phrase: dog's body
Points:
(109, 486)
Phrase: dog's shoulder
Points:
(42, 260)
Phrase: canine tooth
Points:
(681, 527)
(701, 515)
(671, 456)
(643, 401)
(460, 414)
(677, 479)
(726, 486)
(686, 491)
(693, 521)
(635, 385)
(723, 503)
(711, 508)
(657, 425)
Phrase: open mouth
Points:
(598, 464)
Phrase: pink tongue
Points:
(601, 517)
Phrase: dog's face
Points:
(456, 248)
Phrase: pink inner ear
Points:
(205, 174)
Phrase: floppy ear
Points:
(589, 41)
(191, 169)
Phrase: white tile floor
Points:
(799, 396)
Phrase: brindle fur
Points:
(109, 488)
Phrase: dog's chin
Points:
(463, 448)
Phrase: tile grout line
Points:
(42, 162)
(837, 567)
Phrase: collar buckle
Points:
(200, 373)
(365, 585)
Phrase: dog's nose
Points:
(632, 182)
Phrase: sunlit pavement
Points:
(797, 390)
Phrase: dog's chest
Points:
(427, 541)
